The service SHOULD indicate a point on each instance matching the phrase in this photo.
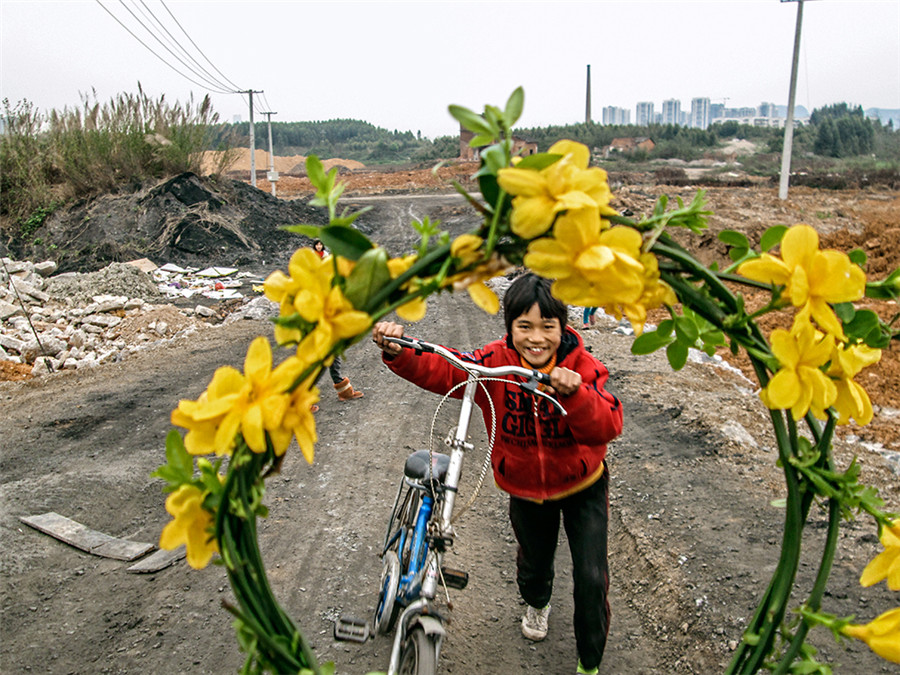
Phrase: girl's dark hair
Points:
(527, 290)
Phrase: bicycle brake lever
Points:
(532, 386)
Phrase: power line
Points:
(213, 83)
(148, 48)
(172, 40)
(177, 23)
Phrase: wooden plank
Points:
(88, 540)
(157, 561)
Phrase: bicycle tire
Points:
(419, 654)
(387, 608)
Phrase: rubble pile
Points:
(74, 321)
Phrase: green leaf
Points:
(733, 238)
(858, 257)
(481, 140)
(686, 330)
(862, 323)
(648, 343)
(514, 106)
(845, 311)
(886, 289)
(307, 230)
(738, 254)
(470, 120)
(316, 172)
(772, 237)
(665, 327)
(369, 275)
(677, 353)
(538, 161)
(345, 241)
(494, 159)
(779, 503)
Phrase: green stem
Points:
(381, 296)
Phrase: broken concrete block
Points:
(8, 310)
(203, 310)
(101, 320)
(46, 268)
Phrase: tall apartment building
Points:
(671, 111)
(643, 113)
(768, 110)
(615, 115)
(699, 113)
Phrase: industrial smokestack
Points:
(587, 102)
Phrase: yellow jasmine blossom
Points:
(298, 421)
(415, 309)
(800, 385)
(591, 268)
(192, 526)
(811, 278)
(886, 565)
(309, 278)
(881, 634)
(566, 184)
(656, 293)
(335, 318)
(852, 400)
(250, 403)
(467, 248)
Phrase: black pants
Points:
(335, 370)
(585, 516)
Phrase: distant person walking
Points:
(342, 386)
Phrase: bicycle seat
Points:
(417, 466)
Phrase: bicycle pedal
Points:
(454, 578)
(349, 628)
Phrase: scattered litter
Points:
(157, 561)
(217, 283)
(91, 541)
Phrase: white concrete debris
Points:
(61, 331)
(219, 283)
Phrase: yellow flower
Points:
(415, 309)
(852, 400)
(309, 280)
(656, 293)
(881, 634)
(591, 268)
(467, 248)
(298, 421)
(252, 403)
(800, 385)
(886, 565)
(192, 526)
(812, 278)
(566, 184)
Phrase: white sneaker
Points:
(534, 623)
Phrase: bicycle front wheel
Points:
(419, 654)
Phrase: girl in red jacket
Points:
(550, 465)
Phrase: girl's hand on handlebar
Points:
(565, 381)
(384, 329)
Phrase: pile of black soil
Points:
(187, 220)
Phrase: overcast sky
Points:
(399, 64)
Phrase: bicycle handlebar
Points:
(533, 377)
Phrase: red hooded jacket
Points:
(539, 453)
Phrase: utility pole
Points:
(272, 175)
(789, 122)
(250, 92)
(587, 103)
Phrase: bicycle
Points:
(420, 527)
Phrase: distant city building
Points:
(716, 111)
(699, 113)
(615, 115)
(643, 114)
(671, 111)
(768, 110)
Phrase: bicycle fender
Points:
(429, 624)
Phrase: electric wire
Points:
(178, 23)
(173, 41)
(150, 49)
(210, 83)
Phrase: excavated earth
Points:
(694, 533)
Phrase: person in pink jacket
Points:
(552, 466)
